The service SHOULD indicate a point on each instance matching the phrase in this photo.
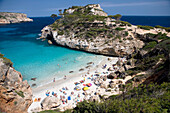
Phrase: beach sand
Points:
(40, 92)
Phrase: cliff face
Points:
(89, 29)
(15, 94)
(7, 18)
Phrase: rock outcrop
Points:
(89, 29)
(7, 18)
(15, 94)
(50, 103)
(95, 9)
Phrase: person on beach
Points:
(64, 77)
(54, 80)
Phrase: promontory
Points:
(8, 18)
(90, 29)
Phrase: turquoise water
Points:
(34, 58)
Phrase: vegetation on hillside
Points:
(145, 27)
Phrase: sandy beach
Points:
(70, 93)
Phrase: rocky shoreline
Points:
(15, 94)
(8, 18)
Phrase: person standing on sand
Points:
(54, 80)
(65, 77)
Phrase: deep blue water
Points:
(36, 58)
(148, 20)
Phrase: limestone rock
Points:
(15, 94)
(94, 98)
(50, 103)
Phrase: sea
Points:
(37, 59)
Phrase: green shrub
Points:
(162, 36)
(150, 45)
(20, 93)
(151, 35)
(60, 32)
(119, 29)
(99, 30)
(132, 71)
(74, 7)
(126, 33)
(2, 17)
(166, 28)
(126, 23)
(145, 27)
(110, 35)
(15, 102)
(91, 34)
(165, 45)
(118, 37)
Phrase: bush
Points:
(119, 29)
(99, 30)
(2, 17)
(150, 45)
(165, 45)
(74, 7)
(60, 32)
(20, 93)
(15, 102)
(126, 33)
(110, 35)
(166, 28)
(126, 23)
(91, 34)
(118, 37)
(145, 27)
(162, 36)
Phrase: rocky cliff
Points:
(89, 29)
(15, 94)
(7, 18)
(151, 66)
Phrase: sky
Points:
(38, 8)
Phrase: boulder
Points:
(50, 102)
(103, 86)
(94, 98)
(112, 85)
(111, 76)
